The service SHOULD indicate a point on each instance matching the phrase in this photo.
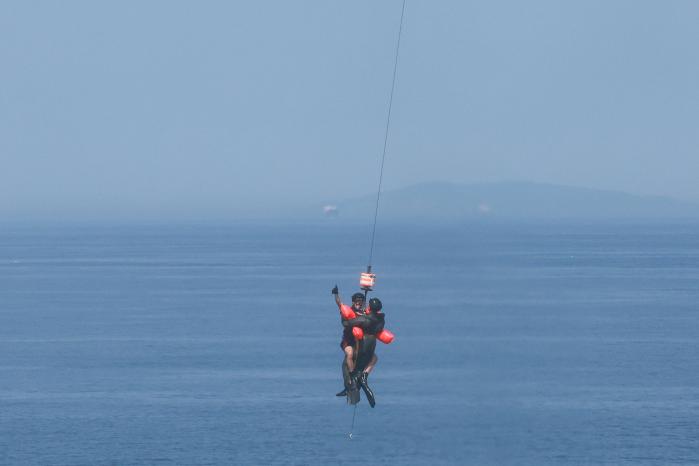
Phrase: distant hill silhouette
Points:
(441, 201)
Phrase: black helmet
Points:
(357, 296)
(375, 304)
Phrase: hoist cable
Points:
(385, 140)
(383, 159)
(354, 415)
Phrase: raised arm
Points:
(336, 293)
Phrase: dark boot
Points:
(342, 393)
(363, 382)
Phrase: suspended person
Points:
(372, 325)
(348, 341)
(371, 321)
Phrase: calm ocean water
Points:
(515, 344)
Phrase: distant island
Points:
(449, 202)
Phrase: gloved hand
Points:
(335, 290)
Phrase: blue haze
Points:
(171, 110)
(516, 344)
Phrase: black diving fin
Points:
(362, 380)
(351, 385)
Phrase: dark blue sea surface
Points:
(214, 345)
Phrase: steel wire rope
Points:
(383, 159)
(385, 139)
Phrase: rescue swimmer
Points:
(361, 328)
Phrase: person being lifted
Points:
(371, 324)
(359, 323)
(348, 342)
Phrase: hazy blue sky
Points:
(198, 109)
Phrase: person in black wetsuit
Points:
(372, 323)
